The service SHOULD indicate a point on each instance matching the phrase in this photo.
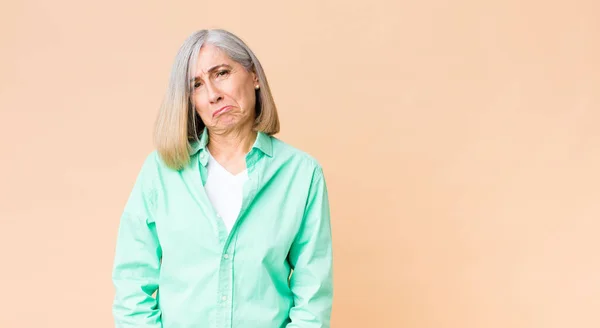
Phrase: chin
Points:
(227, 124)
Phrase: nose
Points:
(214, 94)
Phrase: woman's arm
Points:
(137, 258)
(311, 259)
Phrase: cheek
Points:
(249, 98)
(204, 115)
(202, 109)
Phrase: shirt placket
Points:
(225, 289)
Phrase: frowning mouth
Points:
(222, 110)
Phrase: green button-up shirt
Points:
(176, 266)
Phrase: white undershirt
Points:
(225, 191)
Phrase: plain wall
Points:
(460, 142)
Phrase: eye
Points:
(224, 72)
(197, 85)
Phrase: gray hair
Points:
(177, 123)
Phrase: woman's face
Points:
(223, 90)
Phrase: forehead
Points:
(210, 56)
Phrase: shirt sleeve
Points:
(311, 259)
(137, 258)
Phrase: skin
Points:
(224, 97)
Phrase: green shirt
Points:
(273, 270)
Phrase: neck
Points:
(228, 145)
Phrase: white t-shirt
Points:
(225, 191)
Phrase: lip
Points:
(221, 110)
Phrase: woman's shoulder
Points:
(152, 161)
(153, 166)
(287, 152)
(150, 166)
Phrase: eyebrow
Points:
(212, 69)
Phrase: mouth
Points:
(222, 110)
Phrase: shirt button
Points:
(226, 256)
(224, 298)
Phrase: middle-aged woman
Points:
(226, 225)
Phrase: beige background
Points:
(460, 140)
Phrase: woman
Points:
(226, 225)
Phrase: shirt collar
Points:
(263, 142)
